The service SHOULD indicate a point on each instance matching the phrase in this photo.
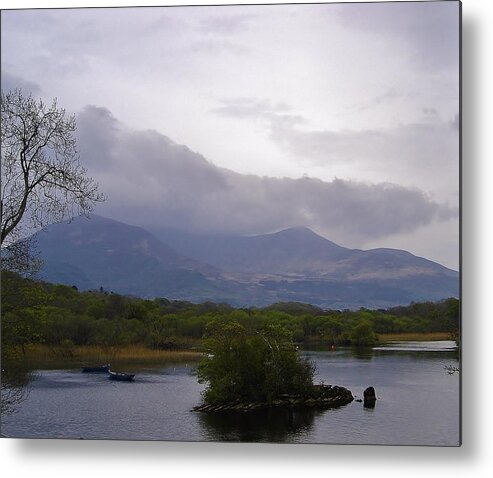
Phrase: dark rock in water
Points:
(369, 394)
(369, 397)
(321, 396)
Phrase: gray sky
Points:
(341, 117)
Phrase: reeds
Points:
(99, 355)
(414, 336)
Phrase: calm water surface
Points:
(418, 403)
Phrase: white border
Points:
(82, 459)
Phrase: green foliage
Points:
(362, 334)
(38, 312)
(19, 330)
(249, 365)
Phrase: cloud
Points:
(276, 114)
(226, 24)
(211, 47)
(415, 145)
(153, 182)
(388, 96)
(427, 32)
(422, 154)
(11, 82)
(98, 131)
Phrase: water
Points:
(418, 403)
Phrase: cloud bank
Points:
(423, 154)
(153, 182)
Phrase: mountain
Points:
(297, 250)
(297, 264)
(294, 265)
(99, 252)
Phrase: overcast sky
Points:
(340, 117)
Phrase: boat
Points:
(121, 376)
(98, 369)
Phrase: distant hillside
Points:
(299, 251)
(294, 265)
(100, 252)
(298, 265)
(293, 251)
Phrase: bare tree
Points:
(42, 180)
(22, 257)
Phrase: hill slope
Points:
(294, 265)
(99, 252)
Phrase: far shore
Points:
(140, 354)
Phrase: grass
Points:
(97, 355)
(414, 336)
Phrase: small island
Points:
(321, 396)
(250, 369)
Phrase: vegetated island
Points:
(249, 369)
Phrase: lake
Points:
(418, 403)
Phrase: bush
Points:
(249, 365)
(363, 334)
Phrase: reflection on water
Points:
(15, 385)
(362, 353)
(275, 426)
(431, 346)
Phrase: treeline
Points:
(57, 315)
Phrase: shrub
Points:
(363, 334)
(249, 365)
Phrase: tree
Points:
(363, 334)
(19, 330)
(42, 180)
(251, 365)
(20, 257)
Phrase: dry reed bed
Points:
(97, 354)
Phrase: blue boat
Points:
(121, 376)
(98, 369)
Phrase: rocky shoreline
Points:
(322, 396)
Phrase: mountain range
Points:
(295, 264)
